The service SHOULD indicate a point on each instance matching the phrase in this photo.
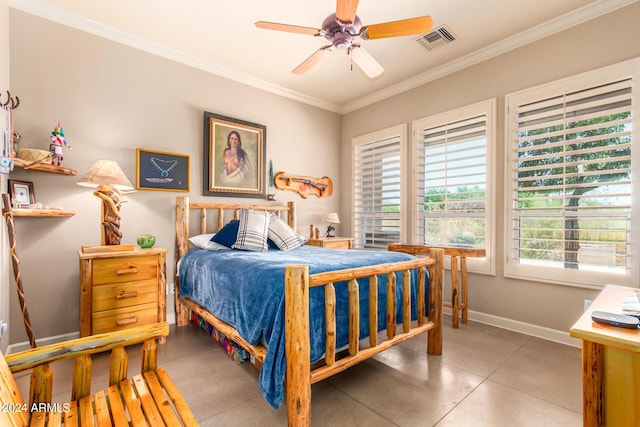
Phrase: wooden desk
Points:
(459, 288)
(610, 364)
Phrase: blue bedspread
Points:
(246, 290)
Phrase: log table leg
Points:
(592, 370)
(465, 290)
(455, 291)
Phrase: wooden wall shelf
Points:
(38, 213)
(41, 167)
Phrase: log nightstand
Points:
(332, 242)
(121, 290)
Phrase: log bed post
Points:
(291, 216)
(182, 246)
(297, 345)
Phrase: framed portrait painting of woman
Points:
(234, 157)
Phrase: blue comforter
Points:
(246, 290)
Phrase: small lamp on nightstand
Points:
(109, 182)
(331, 220)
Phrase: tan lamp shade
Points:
(333, 218)
(106, 172)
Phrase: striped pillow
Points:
(252, 231)
(284, 237)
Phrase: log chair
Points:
(148, 398)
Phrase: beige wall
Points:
(607, 40)
(112, 99)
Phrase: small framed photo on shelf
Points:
(21, 192)
(157, 170)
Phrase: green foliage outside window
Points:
(596, 154)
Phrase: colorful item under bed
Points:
(233, 350)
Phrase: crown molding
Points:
(586, 13)
(538, 32)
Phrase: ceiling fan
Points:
(343, 27)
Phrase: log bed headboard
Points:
(213, 213)
(218, 213)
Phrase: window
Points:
(570, 186)
(453, 180)
(377, 192)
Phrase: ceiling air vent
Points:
(437, 38)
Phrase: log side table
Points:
(459, 280)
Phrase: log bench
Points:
(147, 398)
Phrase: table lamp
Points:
(331, 220)
(109, 182)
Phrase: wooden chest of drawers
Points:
(120, 290)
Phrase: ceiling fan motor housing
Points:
(339, 33)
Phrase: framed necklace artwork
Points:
(157, 170)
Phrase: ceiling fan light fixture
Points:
(342, 40)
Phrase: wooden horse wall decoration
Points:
(304, 185)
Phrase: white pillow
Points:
(203, 241)
(252, 231)
(282, 235)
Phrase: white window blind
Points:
(571, 182)
(452, 178)
(377, 188)
(453, 184)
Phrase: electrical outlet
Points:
(170, 289)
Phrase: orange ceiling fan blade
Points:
(366, 62)
(346, 10)
(288, 28)
(308, 63)
(404, 27)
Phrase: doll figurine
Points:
(57, 144)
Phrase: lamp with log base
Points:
(109, 182)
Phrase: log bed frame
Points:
(299, 373)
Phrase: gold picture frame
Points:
(161, 171)
(234, 157)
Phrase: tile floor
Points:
(486, 376)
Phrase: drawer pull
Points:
(123, 295)
(130, 270)
(127, 321)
